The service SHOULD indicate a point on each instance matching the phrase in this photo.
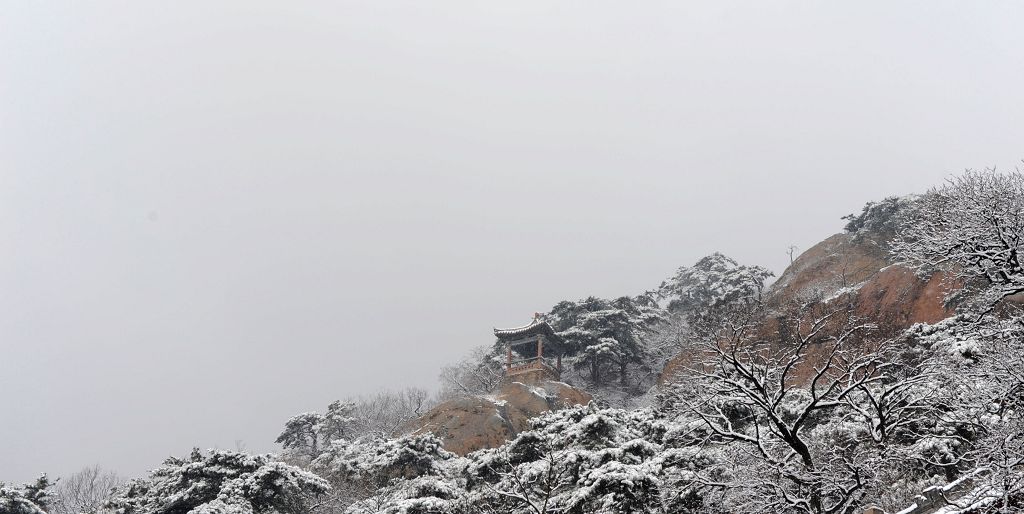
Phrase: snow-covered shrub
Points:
(378, 461)
(973, 228)
(219, 482)
(879, 220)
(479, 373)
(30, 498)
(83, 492)
(713, 282)
(607, 337)
(588, 459)
(384, 414)
(421, 495)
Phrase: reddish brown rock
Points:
(673, 367)
(469, 424)
(895, 297)
(890, 295)
(837, 262)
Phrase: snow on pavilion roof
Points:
(534, 328)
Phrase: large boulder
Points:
(859, 265)
(469, 424)
(842, 260)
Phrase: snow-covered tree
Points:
(13, 501)
(605, 334)
(479, 373)
(31, 498)
(337, 422)
(713, 282)
(388, 413)
(979, 428)
(879, 221)
(302, 436)
(420, 495)
(368, 471)
(980, 425)
(579, 460)
(811, 398)
(84, 492)
(220, 482)
(384, 414)
(379, 460)
(973, 228)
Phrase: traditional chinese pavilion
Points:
(534, 348)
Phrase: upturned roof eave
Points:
(535, 327)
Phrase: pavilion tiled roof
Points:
(534, 328)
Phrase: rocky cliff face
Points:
(855, 267)
(469, 424)
(860, 265)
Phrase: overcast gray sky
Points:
(214, 215)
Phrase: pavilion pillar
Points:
(540, 347)
(508, 366)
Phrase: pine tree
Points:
(219, 482)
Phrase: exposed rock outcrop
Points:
(469, 424)
(860, 265)
(856, 267)
(837, 262)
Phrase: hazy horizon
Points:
(216, 216)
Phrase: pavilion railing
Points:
(533, 363)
